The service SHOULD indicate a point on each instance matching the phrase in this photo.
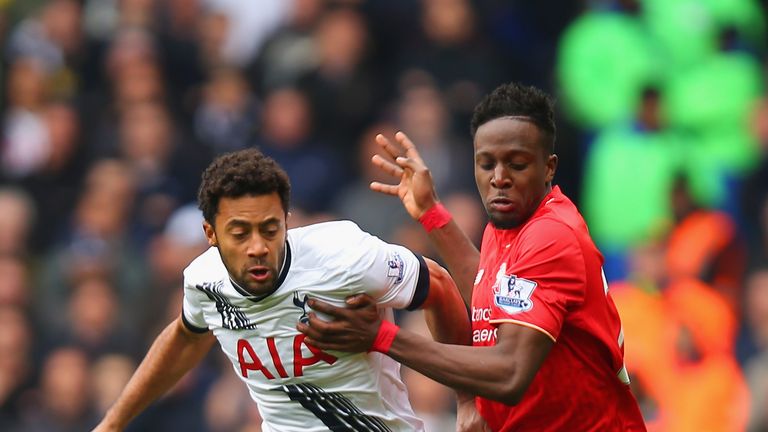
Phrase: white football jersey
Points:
(298, 388)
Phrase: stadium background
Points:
(111, 109)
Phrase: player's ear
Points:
(210, 234)
(551, 167)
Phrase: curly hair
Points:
(241, 173)
(521, 101)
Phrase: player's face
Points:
(512, 172)
(250, 234)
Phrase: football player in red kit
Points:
(548, 344)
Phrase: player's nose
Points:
(501, 178)
(257, 247)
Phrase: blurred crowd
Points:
(111, 109)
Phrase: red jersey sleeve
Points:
(543, 278)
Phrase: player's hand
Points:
(402, 161)
(353, 328)
(467, 417)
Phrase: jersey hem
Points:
(191, 327)
(422, 285)
(524, 324)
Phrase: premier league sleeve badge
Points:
(513, 294)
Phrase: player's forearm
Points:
(480, 371)
(172, 355)
(460, 256)
(444, 311)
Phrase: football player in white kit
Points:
(250, 289)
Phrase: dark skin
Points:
(513, 171)
(250, 233)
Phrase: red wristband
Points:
(384, 337)
(436, 217)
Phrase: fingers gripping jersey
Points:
(298, 387)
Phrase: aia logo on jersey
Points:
(301, 303)
(511, 293)
(395, 267)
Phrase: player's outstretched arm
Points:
(175, 351)
(416, 190)
(501, 372)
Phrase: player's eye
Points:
(239, 234)
(486, 165)
(270, 232)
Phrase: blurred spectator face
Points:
(136, 13)
(14, 349)
(14, 284)
(228, 91)
(756, 305)
(368, 148)
(26, 84)
(422, 114)
(65, 384)
(61, 19)
(109, 375)
(145, 135)
(25, 147)
(184, 14)
(448, 22)
(103, 209)
(182, 240)
(138, 82)
(341, 39)
(93, 310)
(286, 118)
(16, 220)
(468, 214)
(127, 47)
(213, 35)
(305, 12)
(63, 130)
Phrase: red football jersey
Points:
(547, 275)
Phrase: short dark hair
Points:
(514, 99)
(241, 173)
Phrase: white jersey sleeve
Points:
(397, 277)
(192, 309)
(391, 273)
